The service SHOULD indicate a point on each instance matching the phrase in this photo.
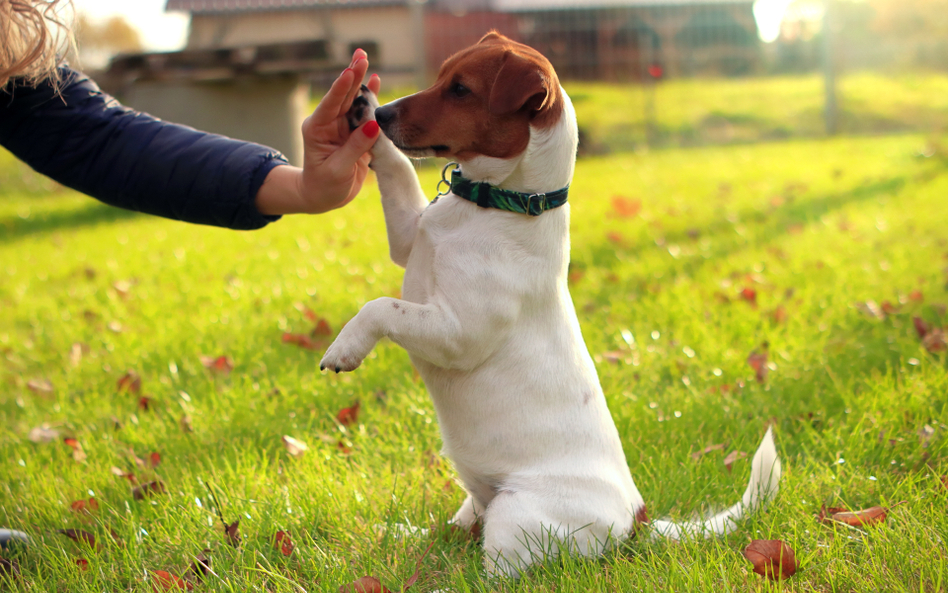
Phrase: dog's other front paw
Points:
(363, 108)
(346, 353)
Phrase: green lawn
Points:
(815, 229)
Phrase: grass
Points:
(814, 227)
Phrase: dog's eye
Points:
(459, 90)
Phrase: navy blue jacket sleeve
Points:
(84, 139)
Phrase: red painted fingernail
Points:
(371, 128)
(347, 70)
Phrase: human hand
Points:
(335, 159)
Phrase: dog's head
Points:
(484, 102)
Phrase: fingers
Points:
(331, 104)
(375, 84)
(359, 68)
(360, 141)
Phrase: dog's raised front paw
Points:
(347, 351)
(363, 108)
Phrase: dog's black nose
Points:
(385, 115)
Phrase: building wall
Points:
(390, 28)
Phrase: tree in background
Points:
(99, 41)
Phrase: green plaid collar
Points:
(488, 196)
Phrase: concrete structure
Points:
(257, 93)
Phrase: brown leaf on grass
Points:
(43, 434)
(85, 506)
(758, 361)
(185, 424)
(302, 340)
(779, 315)
(165, 581)
(350, 415)
(414, 577)
(145, 490)
(916, 296)
(42, 386)
(944, 482)
(83, 564)
(123, 474)
(750, 295)
(935, 340)
(154, 459)
(732, 457)
(364, 585)
(79, 536)
(699, 454)
(130, 382)
(77, 453)
(888, 308)
(200, 566)
(871, 309)
(144, 403)
(921, 327)
(322, 328)
(232, 532)
(9, 568)
(221, 364)
(624, 207)
(862, 518)
(615, 237)
(282, 542)
(771, 558)
(294, 447)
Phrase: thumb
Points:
(360, 141)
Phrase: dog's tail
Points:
(763, 485)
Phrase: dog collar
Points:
(486, 195)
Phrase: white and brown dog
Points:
(486, 314)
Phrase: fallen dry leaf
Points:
(322, 328)
(282, 542)
(294, 447)
(302, 340)
(364, 585)
(935, 340)
(862, 518)
(83, 564)
(154, 459)
(414, 577)
(221, 364)
(233, 533)
(165, 581)
(871, 309)
(916, 296)
(43, 434)
(123, 474)
(200, 566)
(43, 386)
(144, 403)
(145, 490)
(624, 207)
(350, 415)
(77, 453)
(78, 536)
(9, 568)
(130, 382)
(921, 327)
(758, 361)
(749, 294)
(771, 558)
(732, 457)
(697, 455)
(85, 506)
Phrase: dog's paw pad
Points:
(363, 108)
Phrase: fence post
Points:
(829, 66)
(417, 11)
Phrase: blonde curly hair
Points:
(34, 34)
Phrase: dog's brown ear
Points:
(521, 82)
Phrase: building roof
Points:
(224, 6)
(209, 6)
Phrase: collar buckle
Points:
(541, 201)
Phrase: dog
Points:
(486, 315)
